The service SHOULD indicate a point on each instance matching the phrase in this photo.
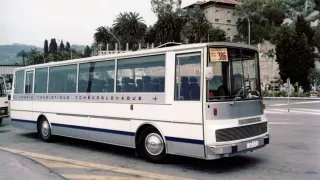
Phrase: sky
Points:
(32, 21)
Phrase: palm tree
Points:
(169, 26)
(24, 55)
(197, 26)
(130, 27)
(102, 35)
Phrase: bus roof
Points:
(145, 52)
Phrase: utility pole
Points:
(248, 23)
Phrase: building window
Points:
(229, 21)
(41, 79)
(216, 20)
(142, 74)
(228, 32)
(63, 79)
(19, 82)
(96, 77)
(229, 15)
(188, 73)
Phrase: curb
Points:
(36, 162)
(291, 98)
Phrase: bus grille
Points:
(243, 132)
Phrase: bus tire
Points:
(45, 130)
(152, 146)
(0, 121)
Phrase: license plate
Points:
(252, 144)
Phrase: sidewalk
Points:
(15, 167)
(292, 98)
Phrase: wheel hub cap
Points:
(45, 128)
(154, 144)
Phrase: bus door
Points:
(28, 90)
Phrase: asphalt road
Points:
(294, 153)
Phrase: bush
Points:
(284, 94)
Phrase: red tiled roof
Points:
(203, 3)
(227, 1)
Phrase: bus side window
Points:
(188, 70)
(19, 82)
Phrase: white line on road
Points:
(294, 111)
(293, 103)
(283, 123)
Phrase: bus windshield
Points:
(235, 74)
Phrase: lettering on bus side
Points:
(150, 98)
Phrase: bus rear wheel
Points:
(45, 130)
(152, 146)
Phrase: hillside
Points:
(8, 53)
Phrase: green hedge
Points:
(284, 94)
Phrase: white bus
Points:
(4, 101)
(197, 100)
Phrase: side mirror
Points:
(208, 73)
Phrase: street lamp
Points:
(248, 23)
(114, 37)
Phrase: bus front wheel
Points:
(45, 131)
(152, 145)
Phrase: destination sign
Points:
(219, 55)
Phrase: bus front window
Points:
(235, 76)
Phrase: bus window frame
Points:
(231, 73)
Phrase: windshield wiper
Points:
(237, 96)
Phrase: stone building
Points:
(220, 14)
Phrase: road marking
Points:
(312, 110)
(91, 177)
(94, 165)
(292, 103)
(283, 123)
(293, 110)
(56, 164)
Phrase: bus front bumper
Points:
(216, 152)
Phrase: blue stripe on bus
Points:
(183, 140)
(24, 121)
(95, 129)
(173, 139)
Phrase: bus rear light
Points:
(215, 111)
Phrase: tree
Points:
(102, 35)
(68, 47)
(318, 4)
(35, 57)
(314, 76)
(130, 27)
(169, 26)
(265, 18)
(46, 48)
(197, 26)
(53, 47)
(160, 6)
(23, 55)
(294, 56)
(150, 35)
(87, 51)
(303, 27)
(216, 34)
(61, 46)
(316, 38)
